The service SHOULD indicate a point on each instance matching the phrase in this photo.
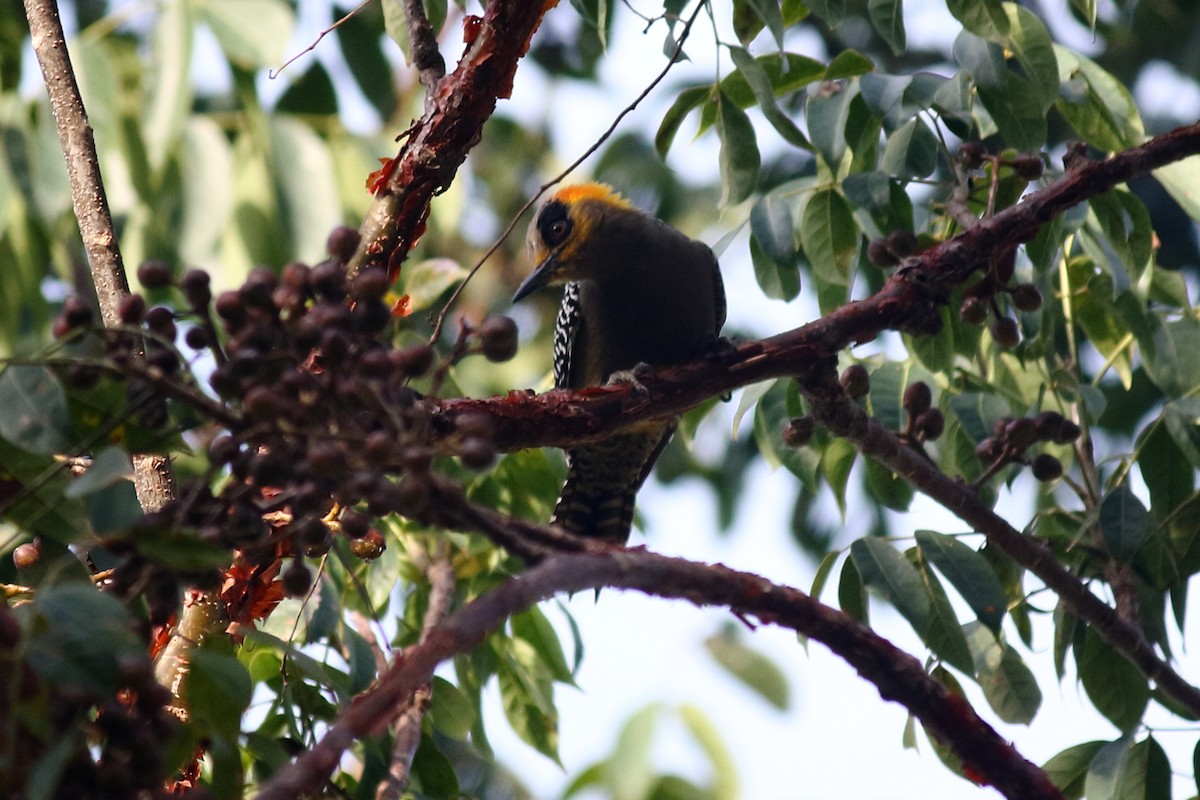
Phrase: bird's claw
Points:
(633, 377)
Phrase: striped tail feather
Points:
(597, 499)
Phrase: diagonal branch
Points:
(907, 302)
(844, 418)
(438, 143)
(898, 676)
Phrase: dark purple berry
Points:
(917, 398)
(798, 431)
(856, 381)
(1047, 467)
(498, 338)
(154, 274)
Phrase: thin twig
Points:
(426, 57)
(437, 328)
(275, 73)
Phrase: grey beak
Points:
(536, 280)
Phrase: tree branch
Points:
(898, 676)
(907, 302)
(438, 143)
(406, 731)
(154, 479)
(846, 419)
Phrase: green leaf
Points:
(1097, 105)
(773, 249)
(630, 773)
(1169, 474)
(827, 111)
(888, 382)
(739, 157)
(1030, 42)
(832, 11)
(434, 771)
(770, 415)
(1007, 683)
(1068, 769)
(253, 33)
(1124, 522)
(776, 281)
(1172, 355)
(1180, 180)
(181, 551)
(312, 92)
(885, 570)
(1016, 112)
(111, 465)
(935, 353)
(451, 711)
(837, 459)
(760, 83)
(206, 189)
(170, 92)
(887, 487)
(943, 634)
(786, 72)
(217, 689)
(978, 412)
(1116, 687)
(985, 18)
(969, 573)
(848, 64)
(824, 570)
(532, 626)
(1114, 769)
(527, 695)
(829, 234)
(1086, 9)
(306, 185)
(359, 39)
(911, 151)
(852, 594)
(426, 281)
(887, 18)
(86, 637)
(35, 499)
(725, 783)
(772, 17)
(35, 414)
(752, 668)
(688, 100)
(983, 60)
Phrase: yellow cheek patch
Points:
(590, 191)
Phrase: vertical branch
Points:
(153, 477)
(407, 729)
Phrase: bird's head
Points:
(563, 241)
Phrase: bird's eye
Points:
(556, 232)
(554, 223)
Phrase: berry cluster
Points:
(1012, 437)
(980, 299)
(321, 430)
(130, 729)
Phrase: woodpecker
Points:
(637, 292)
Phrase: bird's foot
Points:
(633, 377)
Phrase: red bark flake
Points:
(379, 178)
(471, 26)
